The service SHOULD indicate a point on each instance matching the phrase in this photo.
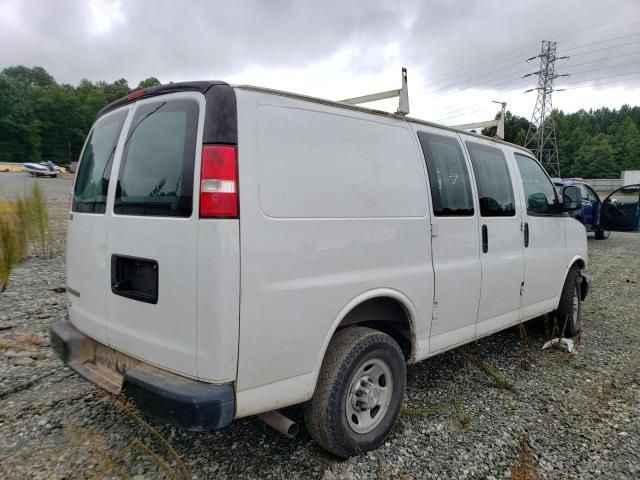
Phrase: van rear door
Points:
(151, 250)
(87, 264)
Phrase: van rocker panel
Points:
(170, 398)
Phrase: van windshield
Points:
(92, 180)
(156, 171)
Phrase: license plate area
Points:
(135, 278)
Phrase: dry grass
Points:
(23, 219)
(112, 462)
(36, 205)
(12, 241)
(497, 379)
(525, 353)
(526, 468)
(24, 340)
(407, 412)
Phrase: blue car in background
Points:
(619, 212)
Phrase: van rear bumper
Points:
(170, 398)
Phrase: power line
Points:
(484, 64)
(601, 41)
(604, 67)
(567, 65)
(481, 91)
(637, 77)
(475, 85)
(455, 116)
(590, 52)
(599, 26)
(593, 80)
(468, 80)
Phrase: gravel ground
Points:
(577, 417)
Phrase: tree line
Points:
(43, 120)
(591, 144)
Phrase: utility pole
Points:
(541, 135)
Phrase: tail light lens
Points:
(219, 182)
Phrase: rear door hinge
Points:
(522, 289)
(434, 230)
(434, 315)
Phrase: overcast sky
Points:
(461, 54)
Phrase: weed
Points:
(39, 218)
(130, 410)
(525, 469)
(524, 354)
(12, 241)
(3, 346)
(380, 470)
(407, 412)
(462, 415)
(112, 462)
(497, 379)
(26, 340)
(84, 438)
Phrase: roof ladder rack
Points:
(498, 123)
(402, 94)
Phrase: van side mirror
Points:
(571, 199)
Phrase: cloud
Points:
(330, 48)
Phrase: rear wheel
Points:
(602, 234)
(569, 312)
(359, 392)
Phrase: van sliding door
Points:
(454, 242)
(502, 247)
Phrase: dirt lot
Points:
(565, 417)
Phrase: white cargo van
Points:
(233, 250)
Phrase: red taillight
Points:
(136, 94)
(219, 182)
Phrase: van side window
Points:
(156, 172)
(493, 180)
(539, 193)
(92, 179)
(448, 175)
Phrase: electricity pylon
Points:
(541, 135)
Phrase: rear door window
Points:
(448, 175)
(156, 171)
(92, 179)
(495, 189)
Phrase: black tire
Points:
(568, 315)
(602, 234)
(325, 414)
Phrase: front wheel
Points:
(569, 312)
(359, 392)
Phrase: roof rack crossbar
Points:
(498, 123)
(402, 94)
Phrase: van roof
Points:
(204, 86)
(201, 87)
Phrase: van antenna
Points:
(402, 94)
(498, 122)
